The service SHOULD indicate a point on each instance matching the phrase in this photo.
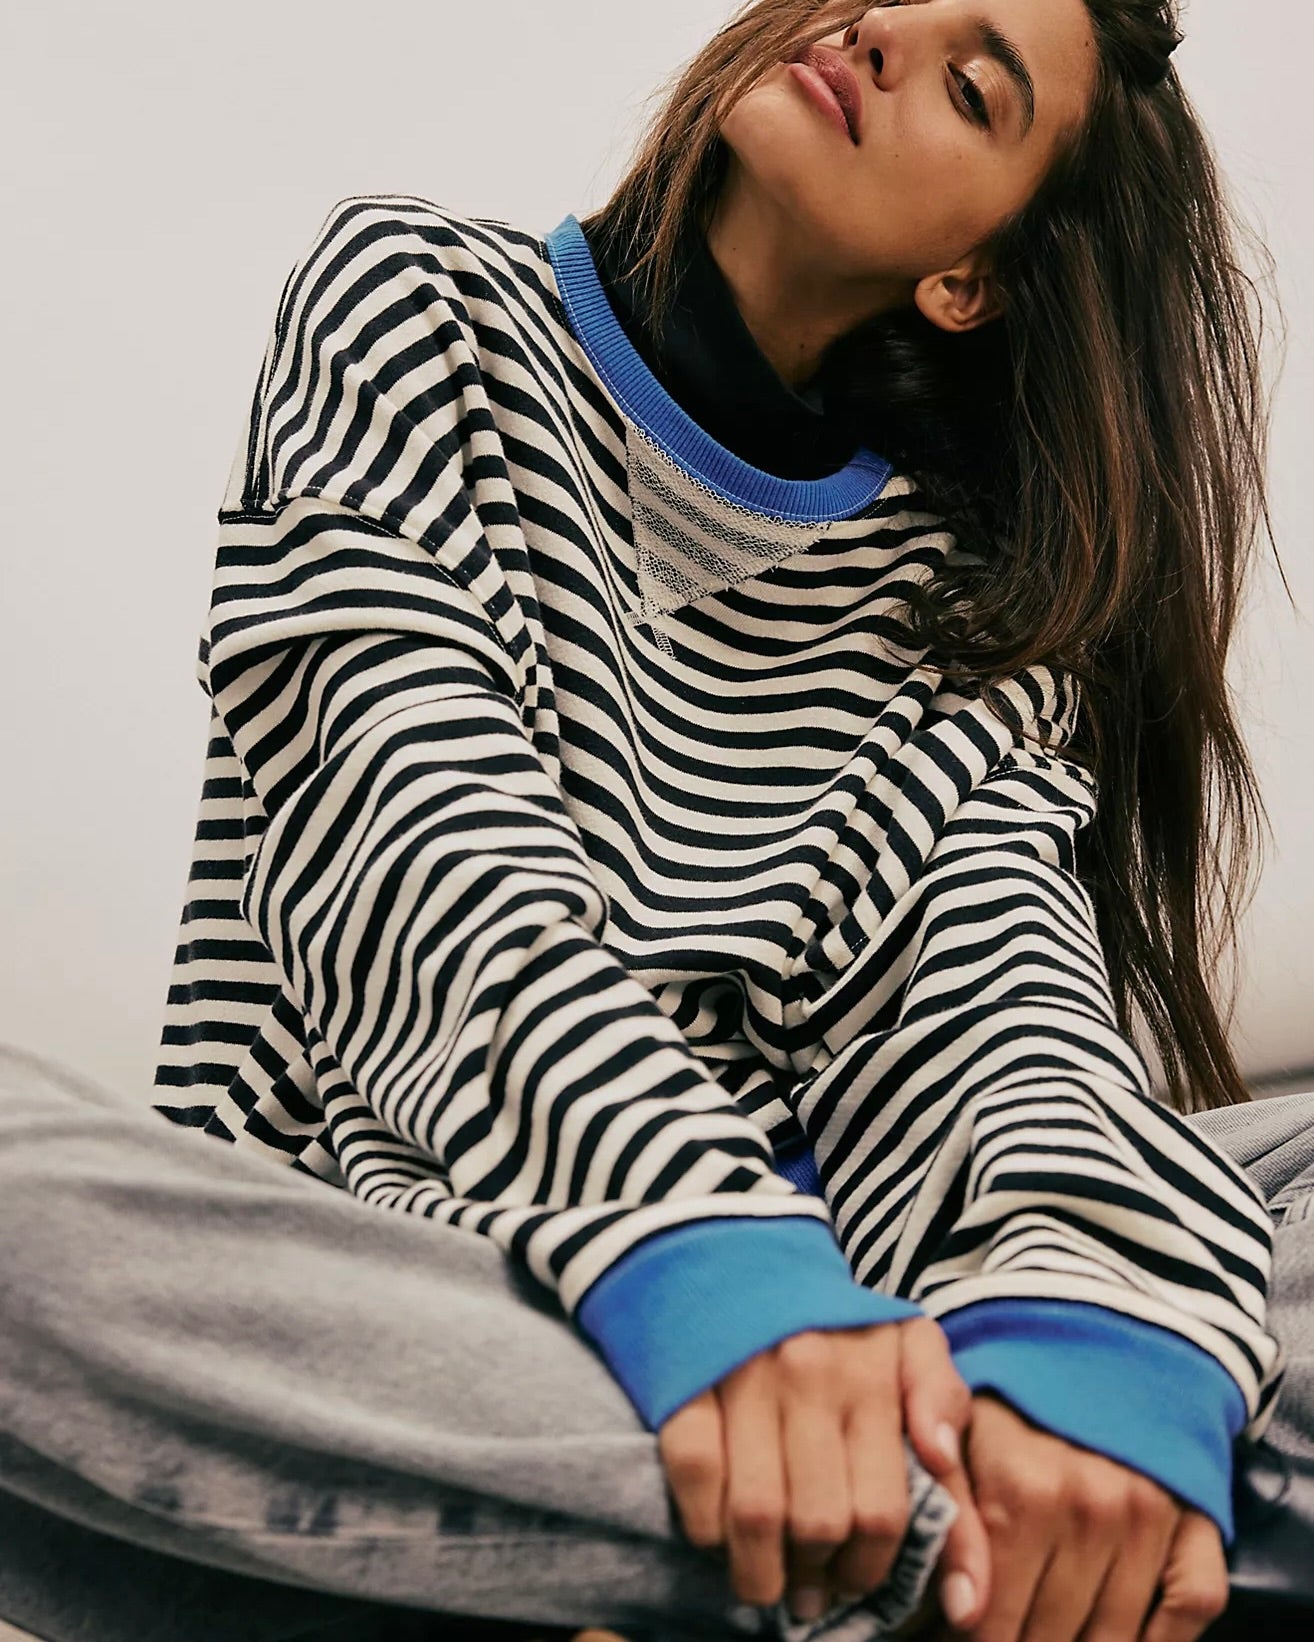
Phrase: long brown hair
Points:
(1099, 451)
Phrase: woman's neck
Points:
(793, 308)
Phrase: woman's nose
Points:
(886, 45)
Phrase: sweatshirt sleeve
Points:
(482, 1057)
(990, 1146)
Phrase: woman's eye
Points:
(971, 95)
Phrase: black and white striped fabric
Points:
(578, 841)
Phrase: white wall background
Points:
(164, 166)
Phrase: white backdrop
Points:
(164, 168)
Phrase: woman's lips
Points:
(821, 94)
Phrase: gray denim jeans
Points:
(228, 1365)
(299, 1400)
(1273, 1139)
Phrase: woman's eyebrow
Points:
(995, 43)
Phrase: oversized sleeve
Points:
(990, 1146)
(483, 1059)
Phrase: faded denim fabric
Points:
(208, 1356)
(216, 1360)
(1273, 1139)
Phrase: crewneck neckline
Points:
(647, 403)
(708, 360)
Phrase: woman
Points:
(650, 834)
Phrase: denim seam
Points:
(1291, 1210)
(435, 1536)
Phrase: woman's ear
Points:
(960, 299)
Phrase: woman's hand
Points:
(1079, 1545)
(795, 1462)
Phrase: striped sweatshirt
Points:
(586, 860)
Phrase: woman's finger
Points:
(937, 1412)
(1018, 1562)
(964, 1575)
(755, 1496)
(1124, 1600)
(692, 1448)
(1019, 1498)
(937, 1406)
(1194, 1582)
(878, 1475)
(819, 1505)
(1067, 1589)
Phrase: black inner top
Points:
(715, 371)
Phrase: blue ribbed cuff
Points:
(677, 1313)
(1130, 1390)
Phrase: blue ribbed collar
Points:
(642, 398)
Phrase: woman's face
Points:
(951, 141)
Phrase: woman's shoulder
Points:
(481, 259)
(480, 281)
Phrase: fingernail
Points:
(958, 1598)
(946, 1440)
(809, 1602)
